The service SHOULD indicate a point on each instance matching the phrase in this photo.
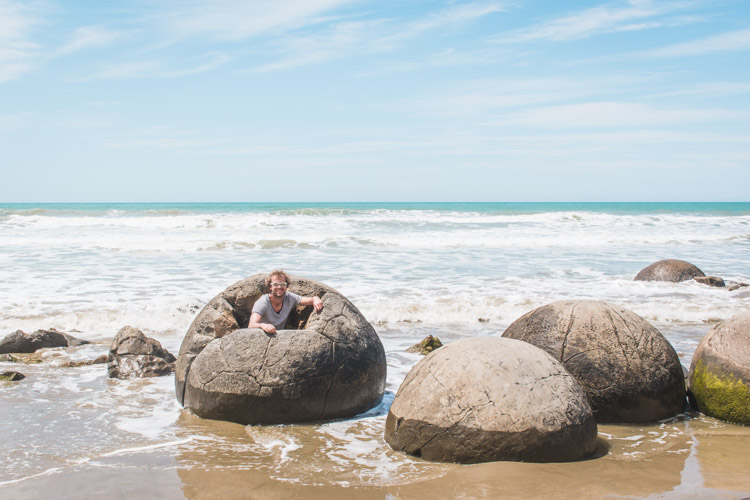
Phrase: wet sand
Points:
(688, 457)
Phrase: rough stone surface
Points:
(720, 372)
(11, 376)
(628, 370)
(132, 355)
(710, 281)
(669, 270)
(324, 365)
(21, 342)
(486, 399)
(428, 344)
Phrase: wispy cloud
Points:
(18, 53)
(215, 60)
(125, 70)
(345, 38)
(90, 37)
(613, 115)
(633, 16)
(238, 19)
(731, 41)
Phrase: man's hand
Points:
(268, 328)
(317, 303)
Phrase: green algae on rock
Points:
(726, 397)
(720, 372)
(426, 346)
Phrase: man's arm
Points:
(255, 323)
(310, 301)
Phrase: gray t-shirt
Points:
(263, 307)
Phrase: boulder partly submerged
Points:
(719, 377)
(673, 270)
(323, 365)
(629, 371)
(426, 346)
(487, 399)
(134, 355)
(21, 342)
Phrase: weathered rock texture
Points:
(132, 355)
(720, 372)
(21, 342)
(324, 365)
(669, 270)
(485, 399)
(428, 344)
(628, 370)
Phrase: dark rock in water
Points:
(710, 281)
(324, 365)
(735, 286)
(132, 355)
(629, 371)
(11, 376)
(720, 372)
(21, 342)
(485, 399)
(428, 344)
(74, 364)
(669, 270)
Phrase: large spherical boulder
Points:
(720, 372)
(486, 399)
(324, 365)
(669, 270)
(629, 371)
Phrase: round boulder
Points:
(628, 370)
(720, 372)
(323, 365)
(485, 399)
(674, 270)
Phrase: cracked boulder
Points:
(720, 372)
(629, 371)
(323, 365)
(669, 270)
(487, 399)
(133, 355)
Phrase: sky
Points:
(358, 100)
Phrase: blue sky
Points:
(336, 100)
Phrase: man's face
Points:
(277, 289)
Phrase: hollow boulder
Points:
(719, 377)
(323, 365)
(486, 399)
(629, 371)
(133, 355)
(674, 270)
(21, 342)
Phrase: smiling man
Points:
(271, 311)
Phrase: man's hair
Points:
(276, 272)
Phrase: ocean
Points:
(413, 269)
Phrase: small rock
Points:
(736, 286)
(25, 358)
(21, 342)
(74, 364)
(11, 376)
(132, 354)
(710, 281)
(428, 344)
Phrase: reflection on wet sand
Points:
(231, 461)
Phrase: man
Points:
(271, 311)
